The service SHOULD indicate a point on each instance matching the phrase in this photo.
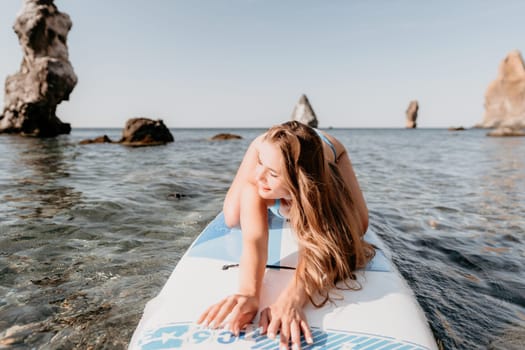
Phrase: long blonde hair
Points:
(322, 213)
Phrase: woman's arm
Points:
(245, 175)
(254, 225)
(239, 309)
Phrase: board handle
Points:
(277, 267)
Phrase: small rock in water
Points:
(139, 132)
(17, 334)
(225, 136)
(50, 281)
(145, 132)
(177, 195)
(497, 250)
(471, 277)
(100, 139)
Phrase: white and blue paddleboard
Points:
(383, 315)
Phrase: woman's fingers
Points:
(264, 320)
(236, 310)
(240, 310)
(204, 314)
(285, 336)
(227, 305)
(291, 332)
(215, 313)
(307, 332)
(209, 315)
(235, 328)
(273, 327)
(237, 320)
(290, 329)
(295, 334)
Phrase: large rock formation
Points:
(304, 113)
(411, 113)
(46, 76)
(505, 96)
(145, 132)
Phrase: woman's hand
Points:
(238, 310)
(287, 316)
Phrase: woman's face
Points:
(269, 173)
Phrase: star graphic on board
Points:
(168, 336)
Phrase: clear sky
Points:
(245, 63)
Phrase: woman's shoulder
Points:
(257, 141)
(261, 136)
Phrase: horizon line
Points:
(266, 127)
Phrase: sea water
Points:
(90, 233)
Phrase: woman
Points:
(305, 176)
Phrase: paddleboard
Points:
(383, 315)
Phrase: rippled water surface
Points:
(90, 233)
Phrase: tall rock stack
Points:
(46, 76)
(411, 114)
(304, 113)
(505, 96)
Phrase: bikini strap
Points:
(327, 141)
(275, 209)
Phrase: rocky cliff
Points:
(46, 76)
(304, 113)
(505, 96)
(411, 114)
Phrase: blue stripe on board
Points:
(391, 346)
(334, 342)
(274, 345)
(366, 343)
(220, 242)
(180, 335)
(263, 343)
(274, 240)
(379, 263)
(377, 345)
(319, 337)
(215, 229)
(316, 336)
(406, 347)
